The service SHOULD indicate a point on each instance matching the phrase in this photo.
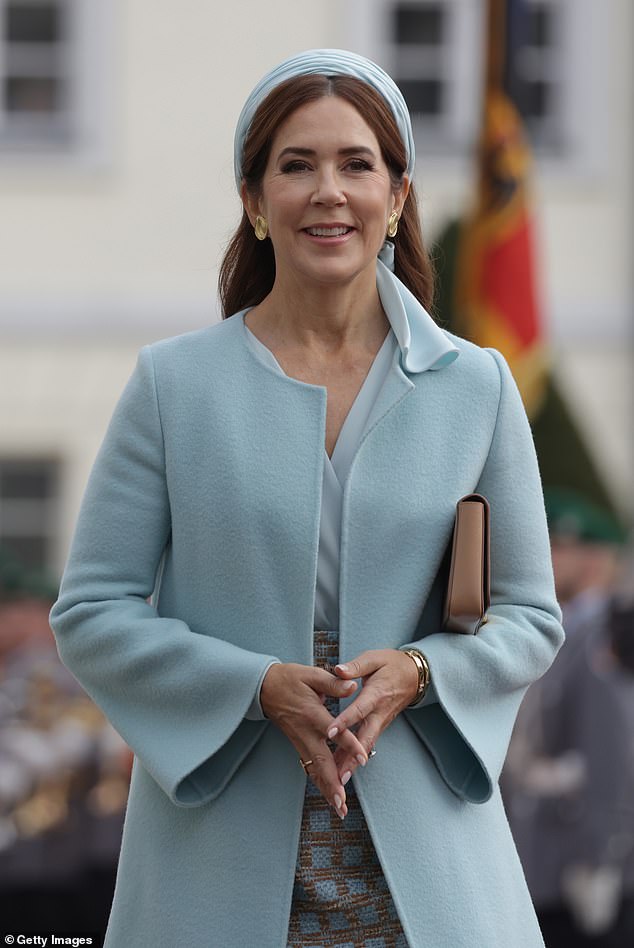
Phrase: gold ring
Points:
(305, 765)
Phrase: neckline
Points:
(422, 344)
(270, 356)
(380, 364)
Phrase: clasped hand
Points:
(293, 697)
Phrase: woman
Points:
(271, 559)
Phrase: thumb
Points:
(333, 687)
(359, 667)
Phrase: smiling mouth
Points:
(328, 231)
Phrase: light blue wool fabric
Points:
(419, 344)
(210, 475)
(326, 62)
(335, 470)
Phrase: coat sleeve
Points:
(480, 680)
(176, 696)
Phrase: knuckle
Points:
(357, 708)
(368, 742)
(343, 735)
(363, 708)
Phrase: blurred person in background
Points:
(568, 783)
(325, 428)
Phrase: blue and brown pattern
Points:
(340, 896)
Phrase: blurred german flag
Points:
(496, 289)
(488, 284)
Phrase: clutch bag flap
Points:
(468, 587)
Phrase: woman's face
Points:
(326, 194)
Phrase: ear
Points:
(250, 202)
(400, 195)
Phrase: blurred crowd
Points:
(63, 781)
(568, 784)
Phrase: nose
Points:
(328, 188)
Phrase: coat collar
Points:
(422, 342)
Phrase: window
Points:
(434, 49)
(52, 89)
(420, 34)
(28, 506)
(539, 70)
(35, 73)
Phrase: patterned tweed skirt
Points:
(340, 896)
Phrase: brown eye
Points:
(294, 166)
(358, 164)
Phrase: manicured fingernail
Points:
(332, 733)
(346, 778)
(362, 760)
(344, 668)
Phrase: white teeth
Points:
(327, 231)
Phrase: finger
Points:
(308, 734)
(385, 692)
(307, 721)
(339, 689)
(328, 684)
(364, 664)
(348, 742)
(320, 722)
(345, 766)
(355, 714)
(368, 737)
(289, 689)
(323, 772)
(317, 722)
(294, 703)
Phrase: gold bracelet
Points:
(424, 674)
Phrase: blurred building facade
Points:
(117, 198)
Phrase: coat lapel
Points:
(394, 389)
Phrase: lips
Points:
(332, 231)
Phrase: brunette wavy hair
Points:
(247, 272)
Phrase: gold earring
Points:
(392, 224)
(261, 228)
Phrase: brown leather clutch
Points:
(468, 593)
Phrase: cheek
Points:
(379, 206)
(283, 208)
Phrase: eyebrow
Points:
(310, 152)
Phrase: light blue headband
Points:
(423, 344)
(326, 62)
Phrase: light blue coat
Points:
(210, 478)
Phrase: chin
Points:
(337, 273)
